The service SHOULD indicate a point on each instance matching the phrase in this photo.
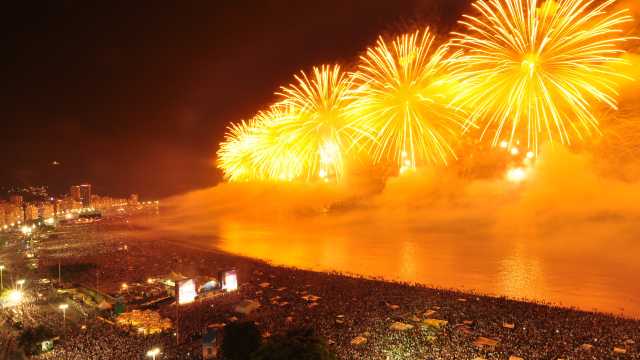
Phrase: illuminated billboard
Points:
(230, 280)
(186, 291)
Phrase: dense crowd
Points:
(348, 308)
(103, 341)
(360, 318)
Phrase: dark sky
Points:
(134, 96)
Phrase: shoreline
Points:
(372, 318)
(469, 292)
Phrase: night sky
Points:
(134, 96)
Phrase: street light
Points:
(153, 353)
(64, 308)
(1, 280)
(20, 283)
(15, 297)
(26, 230)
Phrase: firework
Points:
(272, 155)
(399, 97)
(235, 153)
(259, 150)
(538, 67)
(317, 129)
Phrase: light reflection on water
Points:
(598, 274)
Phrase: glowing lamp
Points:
(153, 353)
(14, 298)
(26, 230)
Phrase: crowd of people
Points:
(360, 318)
(100, 340)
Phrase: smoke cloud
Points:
(568, 233)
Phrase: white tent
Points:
(104, 305)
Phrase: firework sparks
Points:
(273, 156)
(539, 68)
(317, 126)
(302, 136)
(259, 150)
(235, 153)
(400, 98)
(524, 69)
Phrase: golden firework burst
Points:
(317, 125)
(400, 98)
(534, 69)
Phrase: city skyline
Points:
(43, 192)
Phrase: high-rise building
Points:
(133, 199)
(74, 192)
(81, 193)
(58, 206)
(85, 195)
(45, 210)
(12, 213)
(68, 204)
(30, 212)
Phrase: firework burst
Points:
(317, 126)
(273, 156)
(235, 155)
(538, 67)
(399, 97)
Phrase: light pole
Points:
(153, 353)
(64, 307)
(1, 280)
